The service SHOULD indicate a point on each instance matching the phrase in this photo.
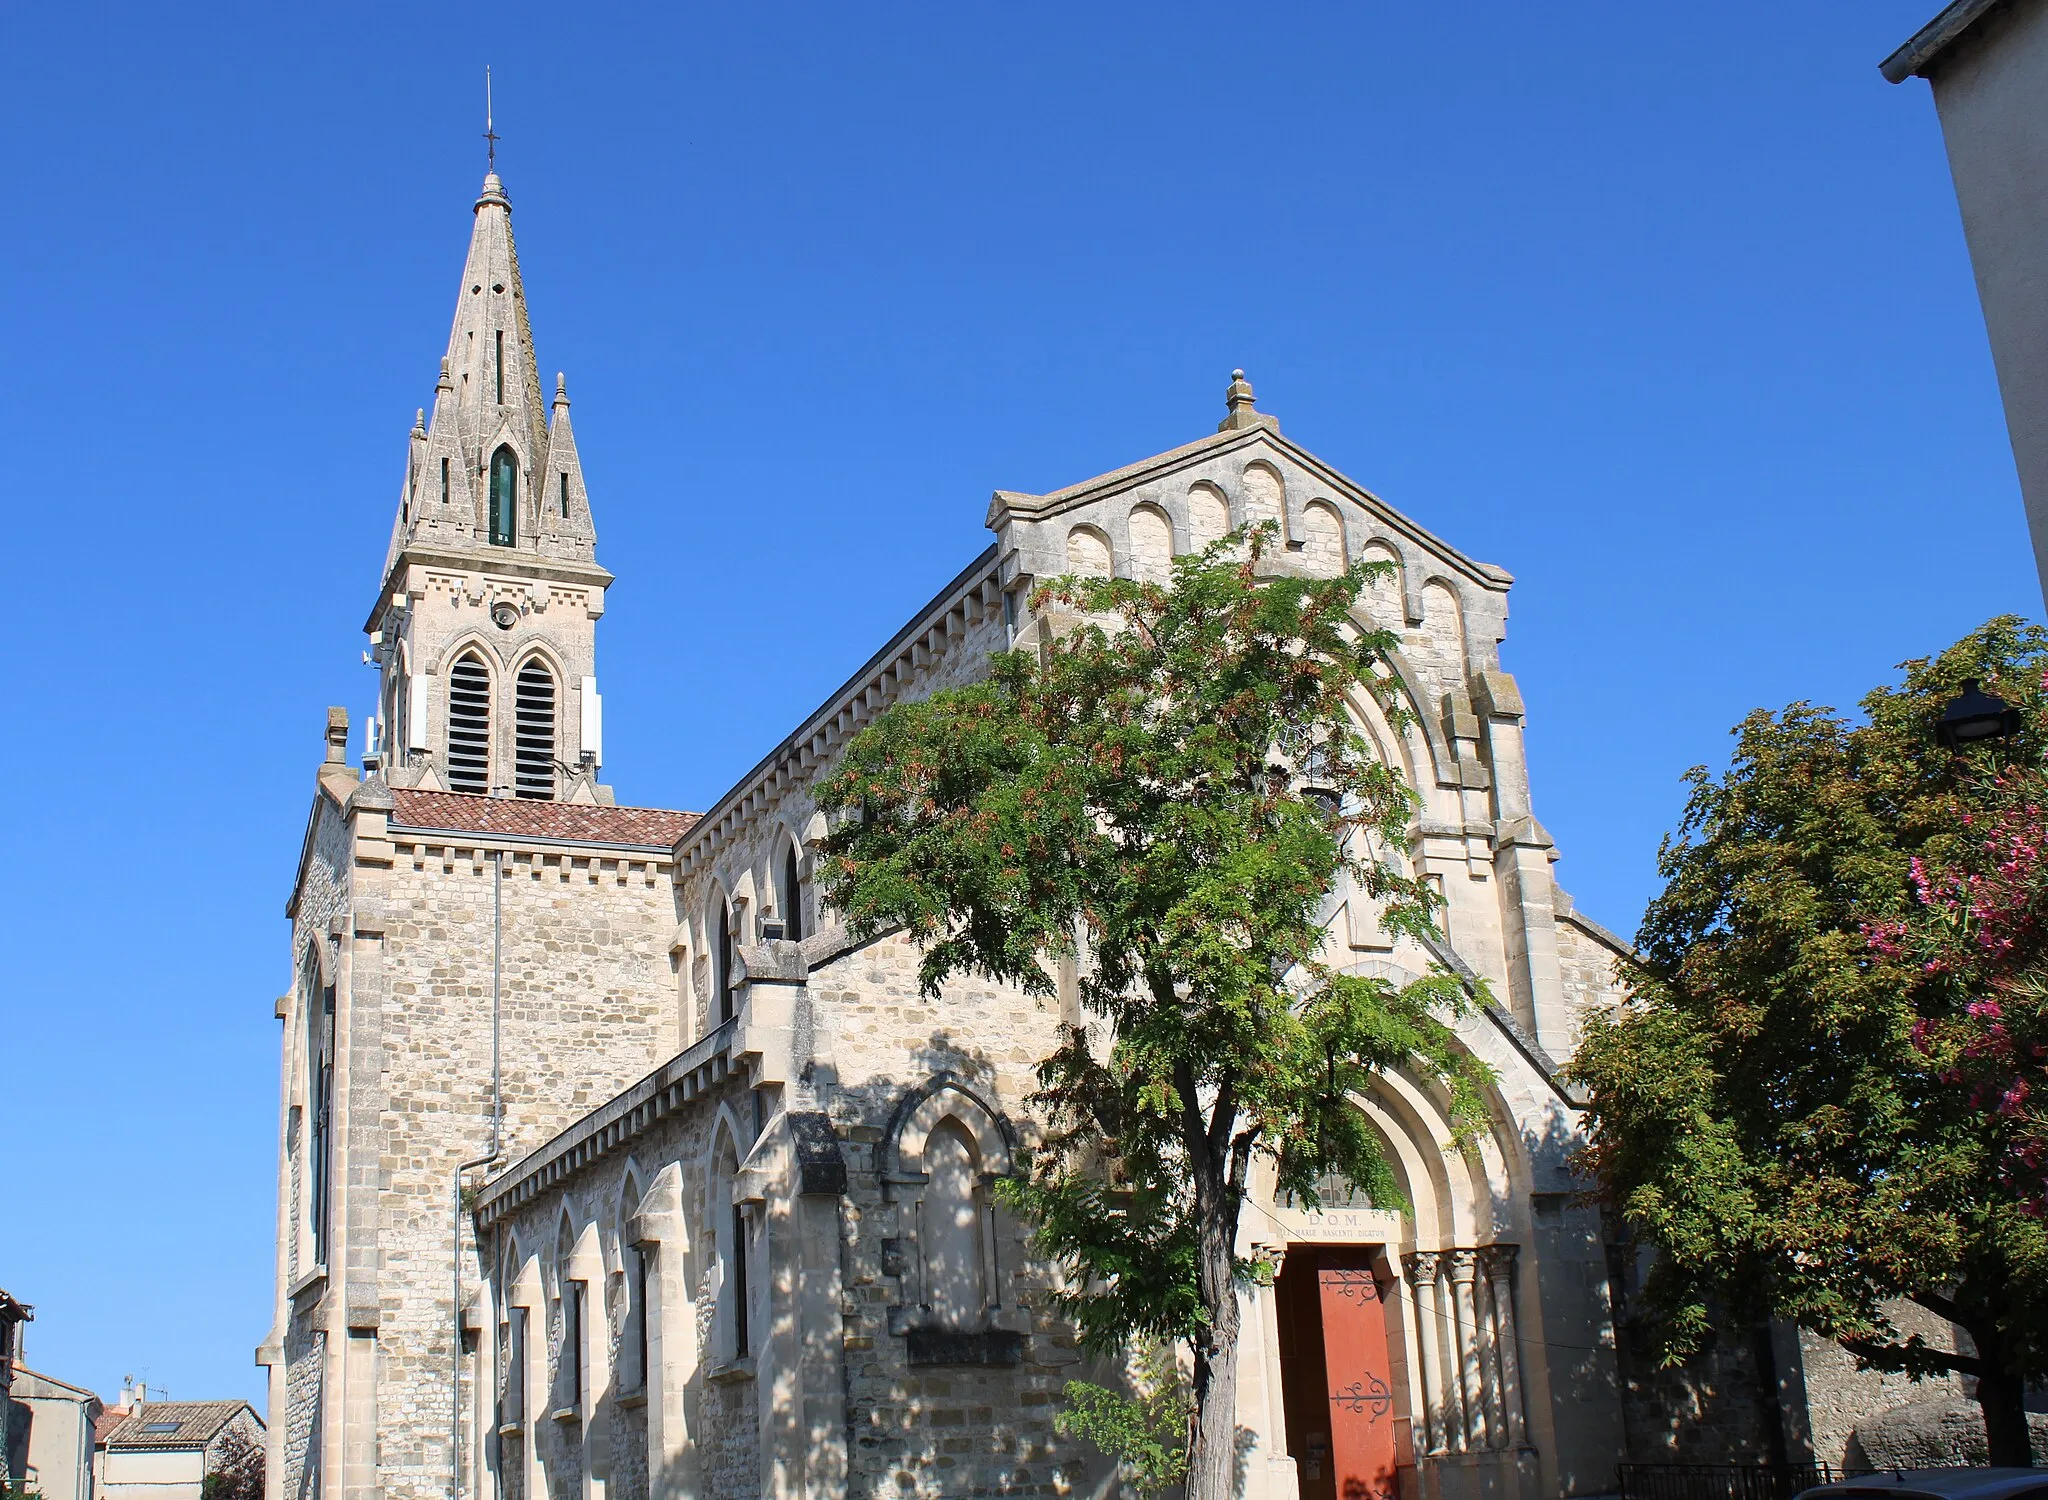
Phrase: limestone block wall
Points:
(979, 1422)
(305, 1352)
(321, 902)
(935, 1430)
(586, 1006)
(1587, 957)
(1838, 1395)
(587, 1000)
(611, 1448)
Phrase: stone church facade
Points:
(612, 1168)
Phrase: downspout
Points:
(497, 1130)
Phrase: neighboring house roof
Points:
(62, 1389)
(177, 1424)
(1925, 46)
(106, 1423)
(519, 817)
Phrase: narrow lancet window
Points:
(790, 896)
(444, 481)
(722, 966)
(501, 367)
(741, 1343)
(504, 496)
(320, 1105)
(534, 731)
(469, 726)
(565, 497)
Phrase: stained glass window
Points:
(504, 495)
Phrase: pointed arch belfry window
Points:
(469, 725)
(504, 497)
(533, 730)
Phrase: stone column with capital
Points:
(1498, 1262)
(1464, 1265)
(1423, 1267)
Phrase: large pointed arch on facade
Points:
(941, 1097)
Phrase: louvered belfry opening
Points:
(469, 727)
(534, 731)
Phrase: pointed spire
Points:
(488, 396)
(566, 529)
(490, 347)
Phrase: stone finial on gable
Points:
(1240, 400)
(337, 736)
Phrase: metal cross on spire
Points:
(490, 135)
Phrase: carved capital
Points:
(1464, 1266)
(1498, 1261)
(1422, 1266)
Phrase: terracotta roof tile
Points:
(584, 822)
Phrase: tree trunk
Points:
(1212, 1457)
(2004, 1399)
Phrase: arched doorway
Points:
(1345, 1424)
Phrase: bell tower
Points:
(484, 631)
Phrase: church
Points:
(612, 1168)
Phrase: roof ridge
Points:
(22, 1369)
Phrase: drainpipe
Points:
(497, 1131)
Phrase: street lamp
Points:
(1975, 716)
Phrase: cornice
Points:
(703, 1064)
(497, 561)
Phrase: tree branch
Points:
(1939, 1359)
(1940, 1306)
(1195, 1137)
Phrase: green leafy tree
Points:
(1790, 1110)
(1146, 1432)
(1165, 792)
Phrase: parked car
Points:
(1937, 1484)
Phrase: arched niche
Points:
(1208, 516)
(1322, 537)
(1265, 494)
(1151, 544)
(1443, 622)
(1384, 598)
(945, 1150)
(1089, 553)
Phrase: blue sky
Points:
(1665, 309)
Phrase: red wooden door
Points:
(1362, 1449)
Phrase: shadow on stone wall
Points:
(1946, 1431)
